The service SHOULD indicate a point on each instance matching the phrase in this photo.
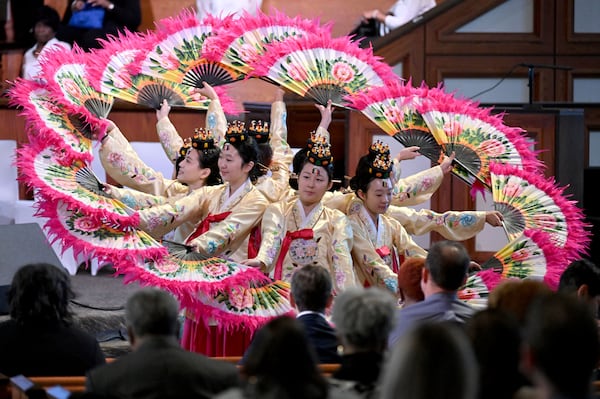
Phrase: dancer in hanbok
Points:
(302, 231)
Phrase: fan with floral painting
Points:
(67, 73)
(240, 307)
(115, 70)
(533, 255)
(393, 108)
(239, 43)
(186, 273)
(175, 52)
(98, 238)
(323, 68)
(476, 137)
(530, 201)
(48, 124)
(45, 170)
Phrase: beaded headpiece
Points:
(202, 139)
(319, 154)
(236, 132)
(312, 139)
(380, 161)
(259, 130)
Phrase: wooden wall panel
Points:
(567, 41)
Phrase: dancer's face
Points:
(190, 171)
(313, 183)
(378, 196)
(232, 166)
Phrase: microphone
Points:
(546, 66)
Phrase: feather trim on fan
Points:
(533, 255)
(243, 308)
(48, 124)
(322, 67)
(115, 70)
(75, 184)
(101, 239)
(240, 42)
(393, 108)
(175, 53)
(186, 273)
(530, 201)
(68, 77)
(476, 136)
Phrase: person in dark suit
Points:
(40, 338)
(158, 367)
(311, 295)
(118, 16)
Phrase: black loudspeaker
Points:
(21, 244)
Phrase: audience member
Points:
(45, 26)
(312, 293)
(282, 364)
(432, 361)
(561, 347)
(158, 367)
(514, 296)
(86, 21)
(444, 273)
(40, 338)
(363, 320)
(409, 281)
(496, 340)
(223, 8)
(401, 12)
(582, 278)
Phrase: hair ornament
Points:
(259, 130)
(319, 154)
(236, 132)
(380, 161)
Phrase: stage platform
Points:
(99, 307)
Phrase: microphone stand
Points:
(530, 75)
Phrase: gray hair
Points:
(364, 317)
(151, 311)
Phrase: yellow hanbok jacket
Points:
(378, 250)
(225, 238)
(329, 246)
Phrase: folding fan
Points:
(175, 53)
(476, 137)
(99, 238)
(248, 307)
(393, 108)
(533, 255)
(68, 77)
(322, 67)
(74, 184)
(187, 273)
(240, 42)
(529, 201)
(48, 124)
(114, 70)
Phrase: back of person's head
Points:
(432, 361)
(40, 294)
(48, 16)
(448, 263)
(363, 318)
(496, 340)
(282, 364)
(580, 273)
(409, 280)
(311, 288)
(561, 345)
(514, 296)
(151, 311)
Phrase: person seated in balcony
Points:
(401, 12)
